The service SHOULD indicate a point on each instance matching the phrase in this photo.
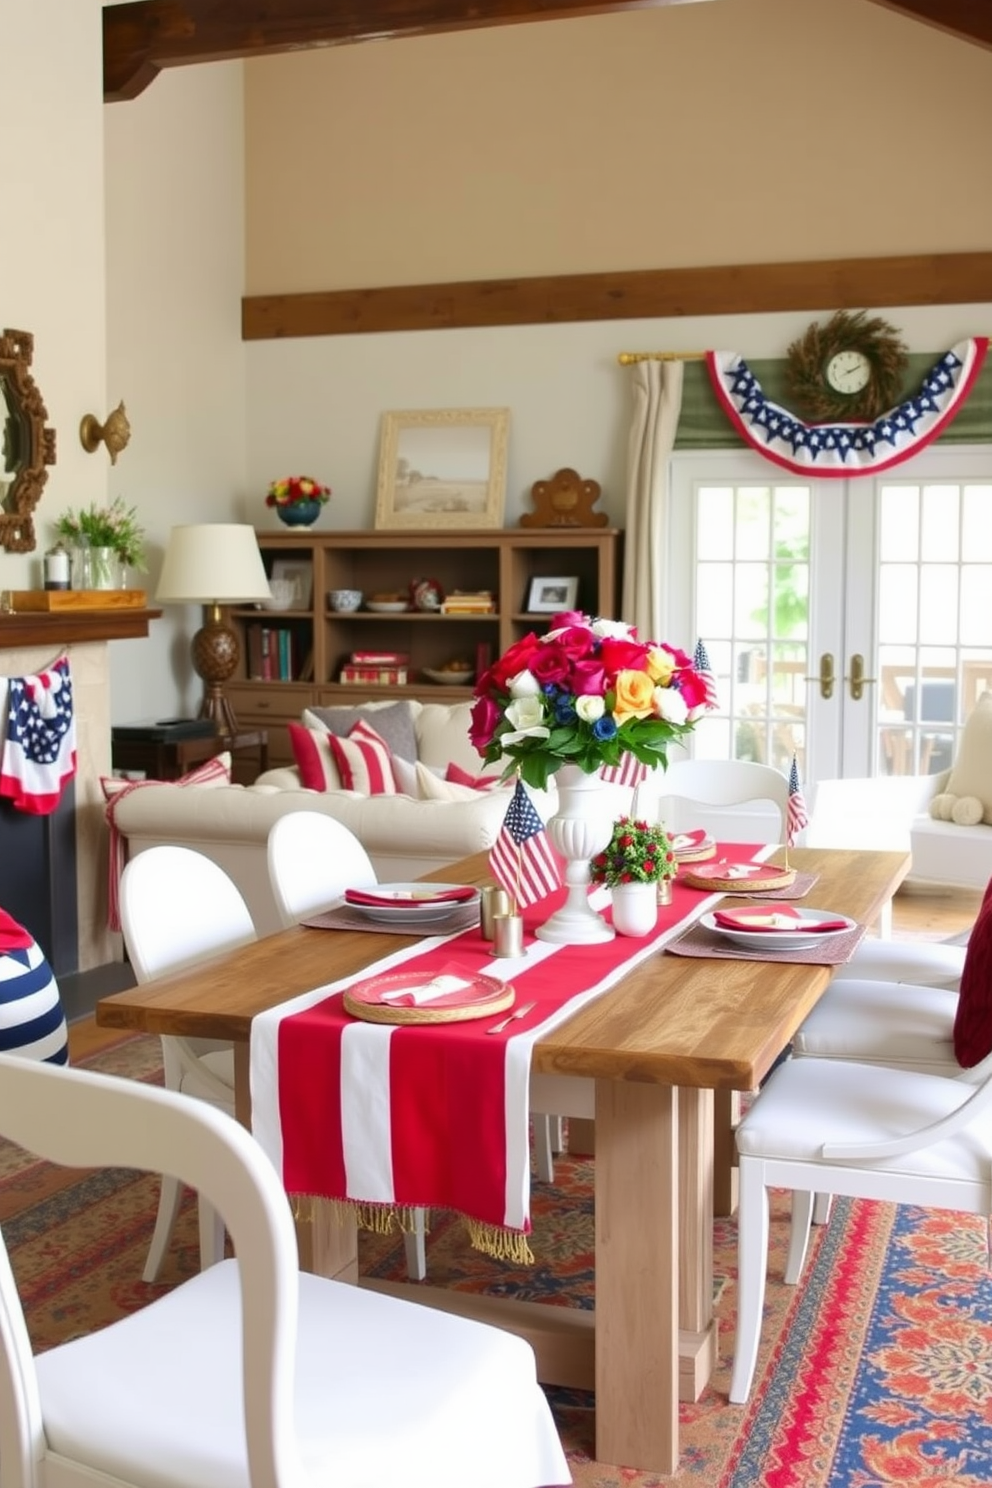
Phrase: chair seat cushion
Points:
(923, 963)
(882, 1022)
(806, 1103)
(374, 1378)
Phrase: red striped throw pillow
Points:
(364, 762)
(360, 762)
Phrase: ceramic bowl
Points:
(344, 599)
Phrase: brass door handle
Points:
(826, 678)
(857, 679)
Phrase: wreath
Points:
(878, 342)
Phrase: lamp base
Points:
(215, 653)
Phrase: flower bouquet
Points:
(638, 852)
(586, 693)
(296, 490)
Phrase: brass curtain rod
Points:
(628, 358)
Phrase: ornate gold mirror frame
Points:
(27, 445)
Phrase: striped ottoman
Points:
(32, 1022)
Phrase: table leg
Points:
(326, 1247)
(637, 1367)
(698, 1331)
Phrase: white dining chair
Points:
(312, 859)
(251, 1374)
(702, 792)
(833, 1126)
(179, 908)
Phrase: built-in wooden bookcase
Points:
(307, 646)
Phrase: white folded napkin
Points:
(418, 993)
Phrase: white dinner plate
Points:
(387, 606)
(783, 940)
(425, 911)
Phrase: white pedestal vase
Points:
(581, 828)
(635, 908)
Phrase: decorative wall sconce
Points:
(115, 433)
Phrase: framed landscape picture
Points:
(442, 467)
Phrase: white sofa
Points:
(404, 837)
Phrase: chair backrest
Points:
(700, 793)
(80, 1119)
(312, 860)
(177, 908)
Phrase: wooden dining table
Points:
(646, 1060)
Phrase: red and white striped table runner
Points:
(390, 1118)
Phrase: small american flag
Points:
(797, 814)
(522, 859)
(630, 771)
(701, 664)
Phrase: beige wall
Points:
(737, 131)
(175, 275)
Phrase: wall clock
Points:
(849, 369)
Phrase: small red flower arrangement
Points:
(292, 490)
(638, 852)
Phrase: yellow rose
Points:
(635, 696)
(661, 665)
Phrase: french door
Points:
(849, 623)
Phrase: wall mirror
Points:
(27, 444)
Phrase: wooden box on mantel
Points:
(27, 601)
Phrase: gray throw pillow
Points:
(392, 722)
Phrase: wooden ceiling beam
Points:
(142, 37)
(969, 20)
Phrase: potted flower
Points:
(297, 499)
(637, 864)
(109, 539)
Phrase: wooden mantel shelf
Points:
(63, 628)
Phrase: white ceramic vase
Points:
(581, 828)
(635, 908)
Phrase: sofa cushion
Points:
(973, 1018)
(392, 721)
(364, 762)
(216, 771)
(433, 787)
(971, 773)
(314, 760)
(458, 776)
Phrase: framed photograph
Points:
(548, 596)
(299, 572)
(442, 467)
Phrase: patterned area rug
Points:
(876, 1370)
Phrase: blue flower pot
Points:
(300, 514)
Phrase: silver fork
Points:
(520, 1012)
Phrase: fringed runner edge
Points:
(383, 1219)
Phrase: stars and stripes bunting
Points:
(845, 450)
(797, 814)
(522, 859)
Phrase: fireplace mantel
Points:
(65, 627)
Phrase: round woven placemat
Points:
(739, 885)
(698, 855)
(380, 1012)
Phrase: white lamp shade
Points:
(212, 563)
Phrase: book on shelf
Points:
(376, 676)
(469, 604)
(380, 658)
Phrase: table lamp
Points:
(214, 564)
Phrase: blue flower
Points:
(605, 727)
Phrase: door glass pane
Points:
(935, 639)
(752, 612)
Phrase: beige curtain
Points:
(656, 397)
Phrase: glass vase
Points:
(105, 568)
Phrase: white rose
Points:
(524, 684)
(617, 630)
(525, 715)
(670, 705)
(589, 707)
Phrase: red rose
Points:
(516, 659)
(622, 656)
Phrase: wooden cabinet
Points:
(292, 659)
